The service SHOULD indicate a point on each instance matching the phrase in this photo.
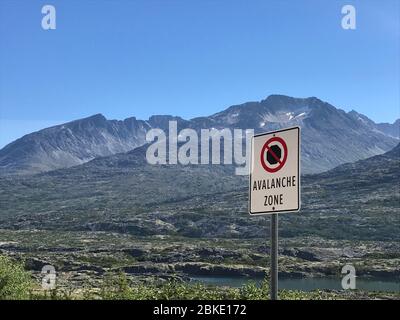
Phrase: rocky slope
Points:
(390, 129)
(71, 144)
(122, 193)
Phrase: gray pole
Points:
(274, 256)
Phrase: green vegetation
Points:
(119, 288)
(15, 282)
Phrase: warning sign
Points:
(275, 172)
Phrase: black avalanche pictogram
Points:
(274, 154)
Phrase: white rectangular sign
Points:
(275, 172)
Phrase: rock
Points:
(35, 264)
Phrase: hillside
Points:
(125, 194)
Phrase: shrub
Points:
(15, 282)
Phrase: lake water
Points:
(306, 284)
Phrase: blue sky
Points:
(191, 58)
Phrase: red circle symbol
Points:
(267, 147)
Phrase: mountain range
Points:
(330, 136)
(104, 208)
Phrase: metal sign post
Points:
(274, 256)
